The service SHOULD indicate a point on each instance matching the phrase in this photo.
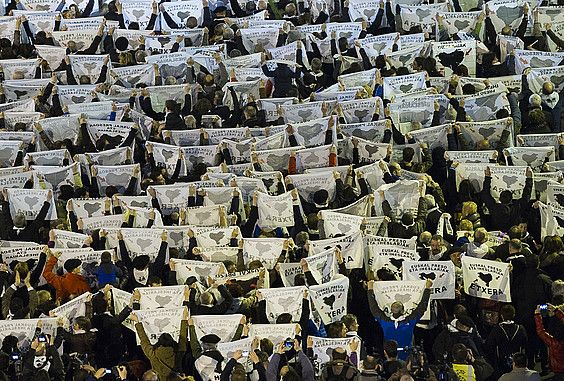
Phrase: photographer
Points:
(287, 372)
(42, 361)
(555, 345)
(467, 367)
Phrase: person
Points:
(161, 163)
(555, 345)
(468, 367)
(506, 340)
(520, 370)
(166, 354)
(391, 364)
(69, 285)
(339, 367)
(505, 213)
(397, 324)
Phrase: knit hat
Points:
(71, 264)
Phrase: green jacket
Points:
(163, 360)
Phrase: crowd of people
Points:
(281, 190)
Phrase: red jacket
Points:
(555, 347)
(65, 285)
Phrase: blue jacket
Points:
(400, 331)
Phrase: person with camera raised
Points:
(467, 367)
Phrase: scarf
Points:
(141, 276)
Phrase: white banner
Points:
(486, 279)
(330, 299)
(442, 273)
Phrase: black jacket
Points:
(503, 216)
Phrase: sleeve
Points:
(6, 300)
(146, 346)
(374, 307)
(226, 303)
(486, 194)
(421, 307)
(194, 342)
(158, 266)
(52, 278)
(226, 372)
(272, 370)
(307, 367)
(36, 273)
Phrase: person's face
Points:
(397, 309)
(455, 258)
(435, 246)
(155, 284)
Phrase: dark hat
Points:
(71, 264)
(140, 262)
(190, 280)
(320, 197)
(121, 44)
(466, 321)
(210, 339)
(220, 7)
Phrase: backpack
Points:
(506, 359)
(349, 372)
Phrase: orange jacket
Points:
(65, 285)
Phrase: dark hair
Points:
(335, 330)
(348, 320)
(408, 154)
(488, 59)
(391, 348)
(266, 345)
(166, 340)
(339, 354)
(83, 322)
(519, 360)
(514, 232)
(468, 89)
(402, 70)
(284, 318)
(505, 197)
(507, 312)
(99, 303)
(459, 353)
(153, 279)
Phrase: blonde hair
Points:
(465, 225)
(468, 208)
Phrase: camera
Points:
(42, 338)
(288, 344)
(543, 310)
(15, 357)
